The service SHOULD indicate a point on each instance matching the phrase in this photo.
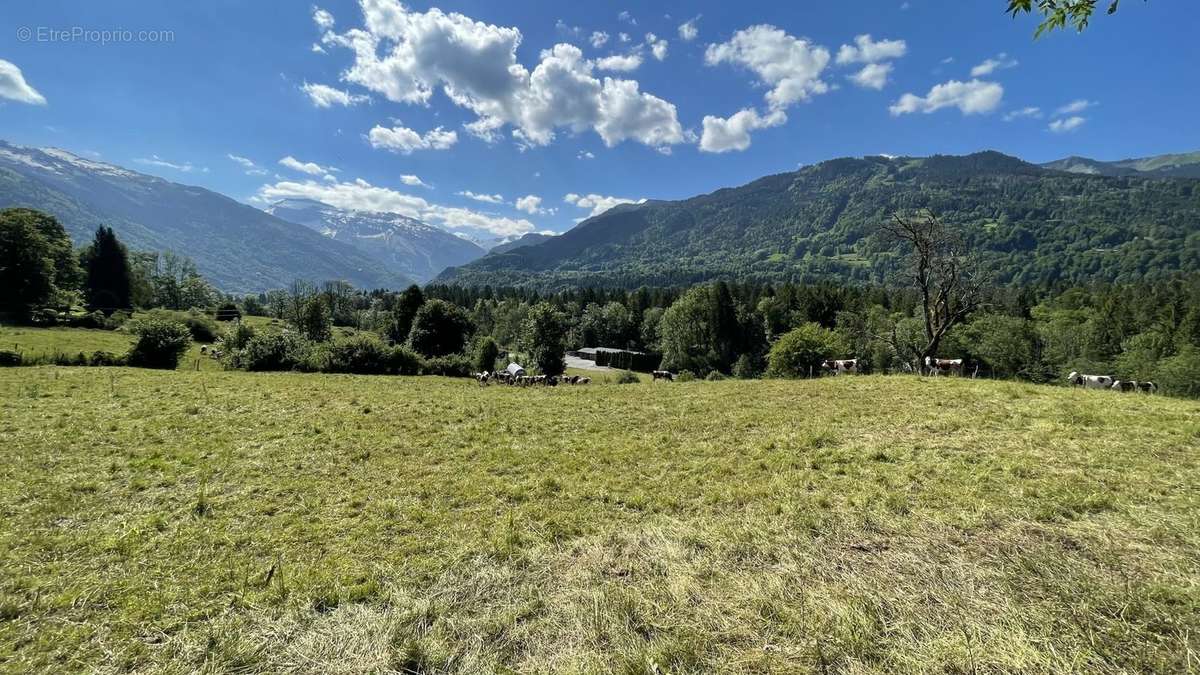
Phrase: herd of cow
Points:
(504, 377)
(1108, 382)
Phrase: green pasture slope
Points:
(224, 521)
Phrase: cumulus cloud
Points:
(733, 133)
(155, 160)
(1062, 126)
(688, 30)
(14, 87)
(311, 168)
(599, 39)
(989, 66)
(620, 62)
(322, 18)
(872, 75)
(406, 56)
(598, 203)
(248, 164)
(657, 45)
(623, 37)
(415, 181)
(585, 154)
(1030, 112)
(790, 66)
(1075, 106)
(324, 96)
(361, 195)
(486, 199)
(531, 204)
(973, 97)
(405, 141)
(867, 50)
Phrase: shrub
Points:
(160, 343)
(9, 359)
(685, 376)
(747, 367)
(486, 353)
(454, 365)
(627, 377)
(102, 358)
(273, 351)
(201, 327)
(45, 317)
(228, 311)
(800, 352)
(237, 336)
(94, 319)
(116, 319)
(359, 354)
(1179, 375)
(715, 376)
(404, 361)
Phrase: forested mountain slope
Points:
(1028, 224)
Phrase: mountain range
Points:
(1028, 224)
(1185, 165)
(399, 243)
(1074, 219)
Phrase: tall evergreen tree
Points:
(109, 283)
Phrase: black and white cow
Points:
(943, 366)
(1090, 381)
(841, 366)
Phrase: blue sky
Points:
(496, 118)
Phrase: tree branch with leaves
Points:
(1059, 13)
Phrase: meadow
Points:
(226, 521)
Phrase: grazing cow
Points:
(943, 366)
(1090, 381)
(482, 378)
(203, 349)
(840, 366)
(1148, 387)
(583, 380)
(1125, 385)
(663, 375)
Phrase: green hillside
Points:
(1028, 225)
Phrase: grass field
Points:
(223, 521)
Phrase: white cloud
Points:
(1062, 126)
(620, 62)
(1030, 112)
(14, 87)
(1000, 62)
(688, 30)
(406, 56)
(598, 203)
(415, 181)
(948, 60)
(866, 50)
(975, 96)
(623, 37)
(531, 204)
(872, 75)
(658, 46)
(361, 195)
(1075, 106)
(487, 199)
(406, 141)
(251, 168)
(322, 18)
(155, 160)
(791, 66)
(627, 17)
(733, 133)
(311, 168)
(599, 39)
(324, 96)
(566, 29)
(317, 49)
(584, 154)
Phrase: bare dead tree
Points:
(942, 270)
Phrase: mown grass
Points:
(219, 521)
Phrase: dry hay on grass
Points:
(284, 522)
